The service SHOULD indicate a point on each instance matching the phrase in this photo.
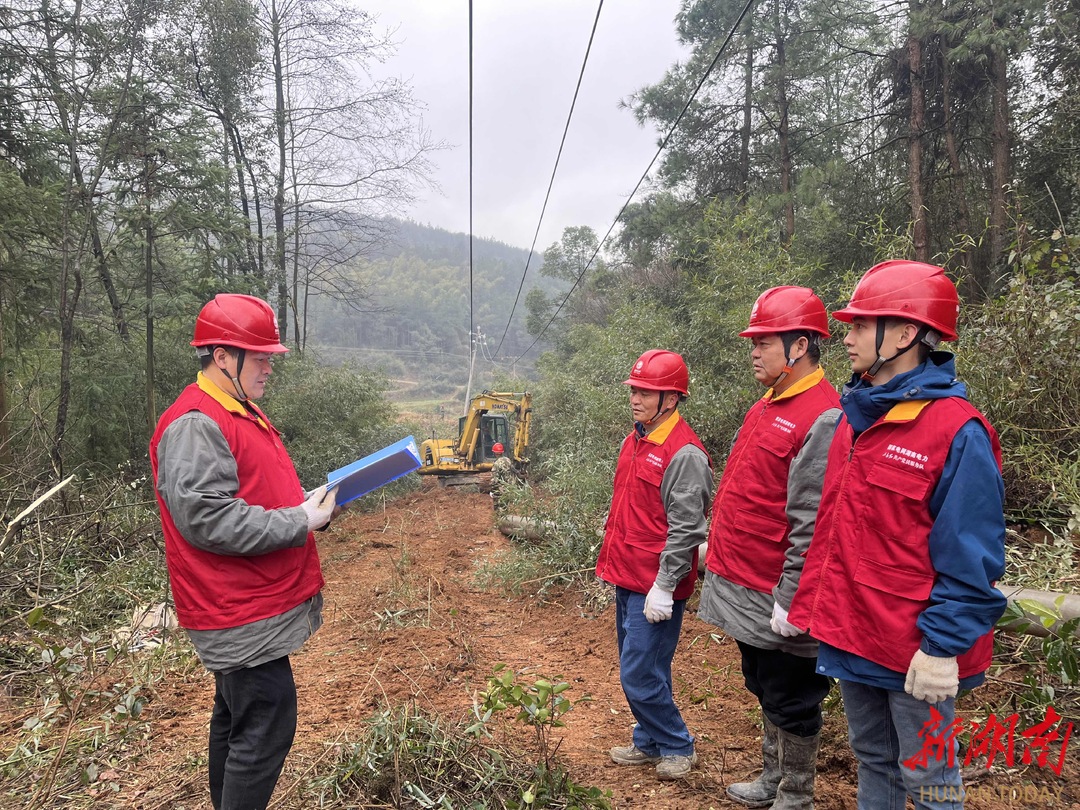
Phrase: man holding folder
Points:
(243, 567)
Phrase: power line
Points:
(554, 170)
(644, 175)
(472, 320)
(471, 317)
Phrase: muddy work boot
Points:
(798, 765)
(631, 755)
(675, 767)
(762, 791)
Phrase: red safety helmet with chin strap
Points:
(660, 370)
(911, 291)
(787, 309)
(498, 448)
(242, 321)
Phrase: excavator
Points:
(487, 422)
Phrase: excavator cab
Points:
(494, 428)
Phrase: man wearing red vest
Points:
(899, 581)
(241, 555)
(763, 519)
(663, 482)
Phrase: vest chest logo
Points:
(654, 460)
(906, 456)
(784, 425)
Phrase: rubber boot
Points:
(762, 791)
(798, 765)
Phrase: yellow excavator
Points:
(493, 417)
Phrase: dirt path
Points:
(405, 622)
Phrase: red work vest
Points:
(748, 537)
(868, 574)
(637, 527)
(216, 591)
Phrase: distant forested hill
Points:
(414, 321)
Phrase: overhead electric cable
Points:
(472, 326)
(648, 169)
(471, 322)
(554, 170)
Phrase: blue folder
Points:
(372, 472)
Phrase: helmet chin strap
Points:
(925, 335)
(240, 393)
(660, 411)
(789, 363)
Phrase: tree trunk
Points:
(103, 273)
(254, 264)
(999, 157)
(783, 128)
(279, 188)
(5, 429)
(260, 259)
(748, 108)
(148, 268)
(295, 273)
(70, 273)
(920, 231)
(963, 215)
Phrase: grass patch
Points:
(409, 758)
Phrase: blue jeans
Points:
(645, 653)
(884, 727)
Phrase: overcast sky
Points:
(527, 55)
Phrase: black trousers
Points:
(251, 731)
(789, 688)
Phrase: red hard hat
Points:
(497, 448)
(787, 309)
(913, 291)
(660, 370)
(243, 321)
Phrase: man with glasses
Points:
(243, 567)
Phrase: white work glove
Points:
(319, 507)
(780, 625)
(658, 604)
(931, 678)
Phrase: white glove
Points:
(319, 507)
(780, 625)
(658, 604)
(931, 678)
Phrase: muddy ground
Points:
(406, 621)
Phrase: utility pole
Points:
(472, 365)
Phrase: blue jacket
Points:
(967, 505)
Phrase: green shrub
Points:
(1017, 354)
(329, 416)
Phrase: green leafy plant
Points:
(541, 704)
(1050, 653)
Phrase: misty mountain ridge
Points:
(413, 316)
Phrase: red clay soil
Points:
(414, 563)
